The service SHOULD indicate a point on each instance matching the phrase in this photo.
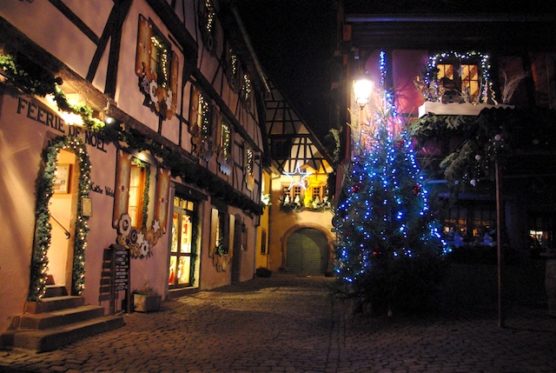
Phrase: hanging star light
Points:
(298, 173)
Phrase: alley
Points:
(291, 324)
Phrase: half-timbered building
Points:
(301, 239)
(131, 158)
(452, 74)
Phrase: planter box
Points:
(146, 303)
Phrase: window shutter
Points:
(174, 75)
(194, 106)
(229, 232)
(213, 231)
(121, 191)
(143, 54)
(161, 202)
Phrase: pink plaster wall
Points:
(406, 66)
(21, 143)
(47, 27)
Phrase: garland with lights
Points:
(390, 251)
(496, 133)
(207, 15)
(34, 80)
(191, 171)
(246, 88)
(43, 230)
(429, 86)
(144, 165)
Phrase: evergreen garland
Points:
(32, 79)
(43, 230)
(495, 134)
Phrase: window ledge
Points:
(439, 108)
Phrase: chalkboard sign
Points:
(121, 268)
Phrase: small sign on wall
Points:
(62, 178)
(87, 206)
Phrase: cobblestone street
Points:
(291, 324)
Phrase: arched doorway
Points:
(307, 252)
(62, 214)
(59, 244)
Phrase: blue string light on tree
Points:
(383, 219)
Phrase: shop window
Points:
(182, 244)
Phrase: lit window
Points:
(160, 61)
(316, 192)
(445, 71)
(137, 183)
(225, 140)
(470, 81)
(460, 77)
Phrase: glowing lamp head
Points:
(362, 89)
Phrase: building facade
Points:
(130, 127)
(443, 70)
(301, 240)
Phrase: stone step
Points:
(60, 317)
(55, 291)
(54, 304)
(53, 338)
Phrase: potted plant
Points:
(146, 300)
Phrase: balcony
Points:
(465, 108)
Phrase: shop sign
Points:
(42, 115)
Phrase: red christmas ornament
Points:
(355, 188)
(416, 189)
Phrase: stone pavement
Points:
(291, 324)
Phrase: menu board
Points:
(121, 269)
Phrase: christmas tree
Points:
(389, 251)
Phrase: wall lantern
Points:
(362, 89)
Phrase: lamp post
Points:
(362, 89)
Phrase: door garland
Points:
(43, 228)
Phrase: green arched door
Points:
(307, 252)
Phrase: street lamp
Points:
(362, 89)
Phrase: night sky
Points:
(295, 40)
